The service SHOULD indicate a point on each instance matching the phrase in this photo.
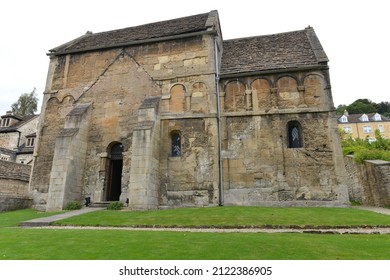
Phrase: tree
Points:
(361, 106)
(384, 108)
(26, 105)
(341, 109)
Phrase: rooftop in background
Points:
(14, 125)
(362, 118)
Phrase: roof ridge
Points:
(266, 35)
(316, 45)
(144, 30)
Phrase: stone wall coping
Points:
(373, 161)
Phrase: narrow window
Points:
(294, 135)
(176, 144)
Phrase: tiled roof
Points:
(15, 126)
(115, 38)
(272, 52)
(356, 118)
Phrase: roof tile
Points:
(277, 51)
(131, 34)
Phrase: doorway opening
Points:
(114, 182)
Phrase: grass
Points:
(71, 244)
(233, 217)
(101, 244)
(14, 218)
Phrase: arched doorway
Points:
(114, 182)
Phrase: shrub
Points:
(115, 206)
(363, 149)
(363, 155)
(73, 205)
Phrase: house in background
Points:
(364, 125)
(17, 137)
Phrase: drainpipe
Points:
(220, 186)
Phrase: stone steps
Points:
(100, 204)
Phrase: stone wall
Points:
(9, 140)
(369, 183)
(14, 179)
(153, 98)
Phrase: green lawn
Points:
(233, 217)
(70, 244)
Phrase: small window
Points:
(30, 142)
(364, 118)
(347, 129)
(367, 129)
(294, 135)
(5, 122)
(381, 128)
(176, 144)
(344, 119)
(377, 117)
(5, 157)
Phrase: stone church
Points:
(169, 114)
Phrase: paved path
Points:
(378, 230)
(380, 210)
(45, 221)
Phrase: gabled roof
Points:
(127, 36)
(281, 51)
(356, 118)
(15, 126)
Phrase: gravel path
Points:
(378, 230)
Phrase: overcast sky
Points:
(354, 35)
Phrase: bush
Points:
(363, 155)
(115, 206)
(363, 149)
(73, 205)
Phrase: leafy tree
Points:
(383, 108)
(361, 106)
(366, 106)
(340, 109)
(26, 105)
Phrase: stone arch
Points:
(288, 92)
(315, 86)
(177, 101)
(262, 90)
(199, 98)
(235, 96)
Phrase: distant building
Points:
(17, 137)
(364, 125)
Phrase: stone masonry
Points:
(132, 115)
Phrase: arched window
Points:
(294, 135)
(175, 144)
